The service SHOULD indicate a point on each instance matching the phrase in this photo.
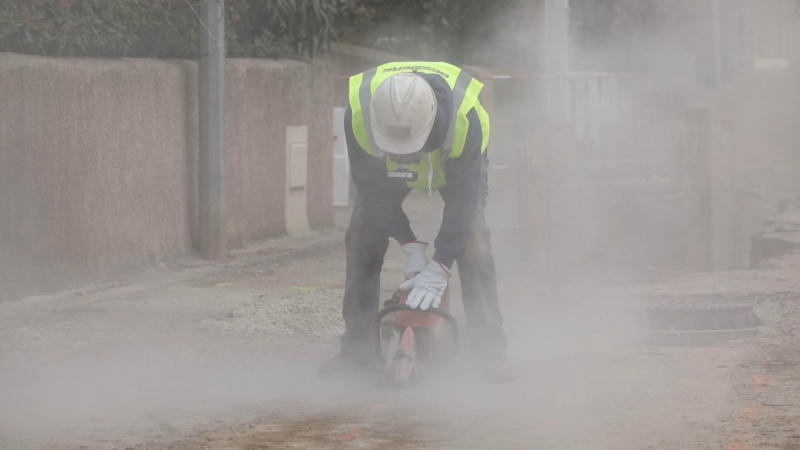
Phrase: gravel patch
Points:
(291, 312)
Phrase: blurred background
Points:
(174, 190)
(630, 132)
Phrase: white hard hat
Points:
(402, 111)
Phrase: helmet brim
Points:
(404, 147)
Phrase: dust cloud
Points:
(614, 199)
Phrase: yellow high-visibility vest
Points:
(465, 97)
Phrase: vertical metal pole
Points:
(213, 218)
(719, 45)
(697, 187)
(573, 92)
(606, 151)
(782, 53)
(557, 59)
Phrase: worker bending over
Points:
(419, 125)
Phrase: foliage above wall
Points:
(453, 30)
(163, 28)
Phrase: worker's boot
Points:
(340, 365)
(352, 359)
(495, 368)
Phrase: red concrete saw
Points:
(406, 337)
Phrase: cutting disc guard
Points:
(401, 355)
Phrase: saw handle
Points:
(401, 307)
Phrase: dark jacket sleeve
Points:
(461, 195)
(383, 201)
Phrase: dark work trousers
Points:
(366, 248)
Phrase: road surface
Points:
(198, 355)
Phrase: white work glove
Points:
(416, 261)
(428, 286)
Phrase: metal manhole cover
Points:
(696, 304)
(693, 321)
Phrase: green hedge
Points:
(459, 31)
(163, 28)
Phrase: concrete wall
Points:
(264, 97)
(98, 162)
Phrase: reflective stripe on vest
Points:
(465, 97)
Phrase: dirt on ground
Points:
(200, 355)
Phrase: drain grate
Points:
(695, 322)
(699, 315)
